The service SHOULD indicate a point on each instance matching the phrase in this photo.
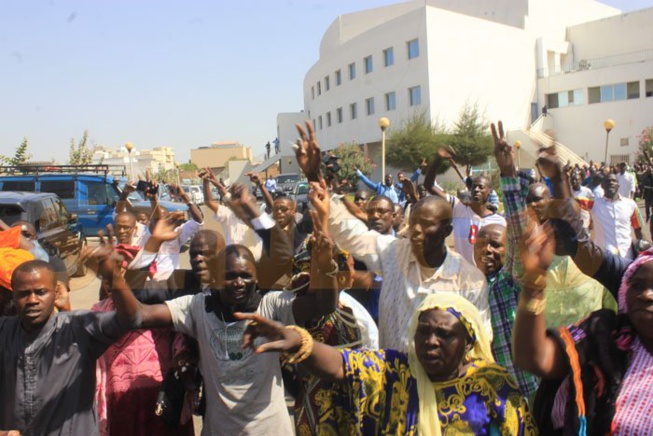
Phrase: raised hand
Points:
(536, 248)
(549, 162)
(503, 152)
(164, 229)
(318, 195)
(322, 250)
(443, 154)
(282, 339)
(102, 260)
(307, 152)
(254, 178)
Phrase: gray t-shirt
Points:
(244, 391)
(47, 378)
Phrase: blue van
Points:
(89, 191)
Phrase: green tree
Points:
(188, 167)
(645, 140)
(20, 156)
(417, 139)
(470, 140)
(79, 153)
(165, 176)
(351, 156)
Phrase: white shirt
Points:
(237, 232)
(271, 185)
(403, 290)
(626, 184)
(167, 259)
(365, 322)
(585, 198)
(244, 390)
(466, 224)
(612, 224)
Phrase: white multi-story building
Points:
(155, 160)
(508, 57)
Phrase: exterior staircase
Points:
(533, 139)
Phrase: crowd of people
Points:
(539, 320)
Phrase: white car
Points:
(195, 193)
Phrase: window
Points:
(368, 64)
(326, 84)
(328, 117)
(314, 122)
(369, 105)
(97, 193)
(18, 185)
(10, 213)
(353, 111)
(624, 142)
(649, 87)
(313, 92)
(63, 188)
(388, 57)
(339, 115)
(319, 88)
(618, 91)
(338, 75)
(49, 217)
(565, 98)
(390, 101)
(415, 95)
(616, 159)
(352, 71)
(319, 122)
(413, 48)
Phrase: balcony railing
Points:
(598, 63)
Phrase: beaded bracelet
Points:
(305, 350)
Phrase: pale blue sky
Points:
(178, 73)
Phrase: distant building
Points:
(583, 60)
(218, 154)
(155, 160)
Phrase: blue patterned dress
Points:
(379, 397)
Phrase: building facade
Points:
(508, 57)
(154, 160)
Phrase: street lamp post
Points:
(609, 125)
(383, 124)
(129, 147)
(178, 174)
(518, 147)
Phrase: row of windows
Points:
(412, 51)
(390, 103)
(599, 94)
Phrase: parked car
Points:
(300, 195)
(89, 191)
(59, 232)
(195, 193)
(286, 182)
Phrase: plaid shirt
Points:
(504, 289)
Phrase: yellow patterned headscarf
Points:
(428, 418)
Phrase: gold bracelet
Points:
(533, 306)
(334, 269)
(305, 350)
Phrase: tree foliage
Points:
(20, 156)
(351, 156)
(165, 176)
(188, 167)
(420, 138)
(417, 139)
(470, 140)
(79, 153)
(645, 141)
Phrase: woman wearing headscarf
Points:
(447, 383)
(598, 373)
